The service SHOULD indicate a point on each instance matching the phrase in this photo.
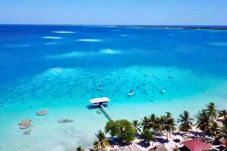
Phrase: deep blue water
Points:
(22, 50)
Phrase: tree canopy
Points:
(122, 130)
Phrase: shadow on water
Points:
(90, 107)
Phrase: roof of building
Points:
(99, 100)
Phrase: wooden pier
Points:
(99, 102)
(105, 113)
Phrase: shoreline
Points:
(73, 128)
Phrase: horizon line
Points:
(44, 24)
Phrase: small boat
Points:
(99, 87)
(162, 91)
(42, 112)
(131, 93)
(65, 120)
(24, 124)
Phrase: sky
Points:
(114, 12)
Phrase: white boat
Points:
(131, 93)
(162, 91)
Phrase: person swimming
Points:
(131, 93)
(99, 87)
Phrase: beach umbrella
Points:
(196, 145)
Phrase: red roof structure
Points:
(196, 145)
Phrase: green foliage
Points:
(101, 141)
(149, 122)
(203, 121)
(112, 128)
(79, 149)
(224, 131)
(223, 113)
(159, 124)
(145, 123)
(122, 129)
(211, 111)
(185, 121)
(151, 125)
(147, 135)
(206, 124)
(206, 120)
(214, 129)
(169, 122)
(136, 125)
(152, 121)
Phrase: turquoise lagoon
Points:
(59, 68)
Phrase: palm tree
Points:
(136, 124)
(147, 135)
(145, 123)
(214, 129)
(101, 141)
(204, 122)
(185, 121)
(169, 124)
(168, 115)
(152, 121)
(79, 149)
(223, 113)
(223, 133)
(149, 122)
(212, 111)
(160, 124)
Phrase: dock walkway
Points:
(105, 113)
(99, 102)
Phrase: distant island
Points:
(197, 27)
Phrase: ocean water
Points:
(60, 67)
